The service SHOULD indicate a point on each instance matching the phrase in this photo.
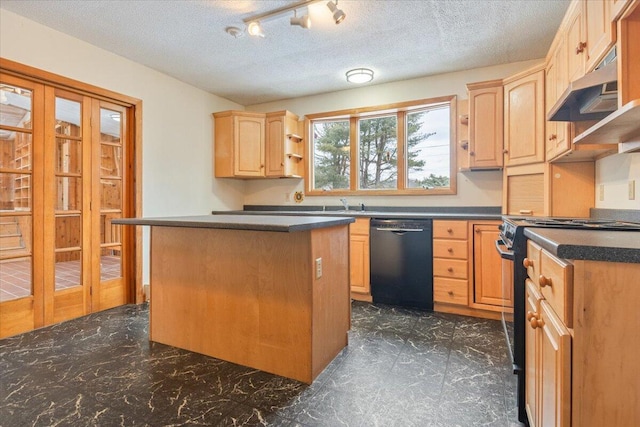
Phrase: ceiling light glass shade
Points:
(254, 29)
(359, 75)
(338, 15)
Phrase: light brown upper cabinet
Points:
(575, 42)
(257, 145)
(485, 125)
(524, 117)
(284, 145)
(239, 144)
(600, 36)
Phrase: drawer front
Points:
(532, 261)
(451, 291)
(450, 268)
(361, 226)
(450, 230)
(457, 249)
(556, 285)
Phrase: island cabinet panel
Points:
(252, 297)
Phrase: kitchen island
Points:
(267, 292)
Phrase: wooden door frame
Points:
(36, 75)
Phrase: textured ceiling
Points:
(398, 39)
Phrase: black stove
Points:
(513, 246)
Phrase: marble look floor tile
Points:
(402, 367)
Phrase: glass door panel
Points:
(68, 202)
(21, 290)
(16, 192)
(111, 196)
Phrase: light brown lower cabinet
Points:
(582, 325)
(467, 268)
(360, 276)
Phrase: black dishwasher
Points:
(402, 262)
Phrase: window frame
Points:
(401, 110)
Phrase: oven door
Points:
(507, 293)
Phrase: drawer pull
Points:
(544, 281)
(450, 269)
(450, 293)
(530, 315)
(526, 212)
(449, 230)
(450, 250)
(527, 263)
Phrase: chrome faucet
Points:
(345, 204)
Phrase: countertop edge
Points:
(285, 224)
(583, 252)
(372, 214)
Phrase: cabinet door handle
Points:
(580, 47)
(530, 315)
(527, 263)
(505, 151)
(536, 322)
(472, 153)
(544, 281)
(552, 137)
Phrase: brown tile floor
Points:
(15, 275)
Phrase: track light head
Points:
(338, 14)
(303, 21)
(254, 29)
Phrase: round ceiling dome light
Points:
(359, 75)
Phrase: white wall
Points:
(474, 188)
(614, 173)
(177, 177)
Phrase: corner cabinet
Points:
(284, 146)
(485, 125)
(239, 144)
(257, 145)
(360, 272)
(524, 118)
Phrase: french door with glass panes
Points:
(63, 178)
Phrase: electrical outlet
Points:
(632, 189)
(318, 268)
(601, 191)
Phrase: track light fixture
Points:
(304, 21)
(254, 29)
(253, 22)
(338, 14)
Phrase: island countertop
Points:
(594, 245)
(280, 223)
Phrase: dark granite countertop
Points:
(463, 213)
(282, 223)
(595, 245)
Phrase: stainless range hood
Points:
(592, 97)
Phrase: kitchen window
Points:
(405, 148)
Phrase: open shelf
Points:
(295, 137)
(294, 156)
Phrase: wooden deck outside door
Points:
(73, 261)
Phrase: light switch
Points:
(318, 268)
(632, 189)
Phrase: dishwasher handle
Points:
(401, 230)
